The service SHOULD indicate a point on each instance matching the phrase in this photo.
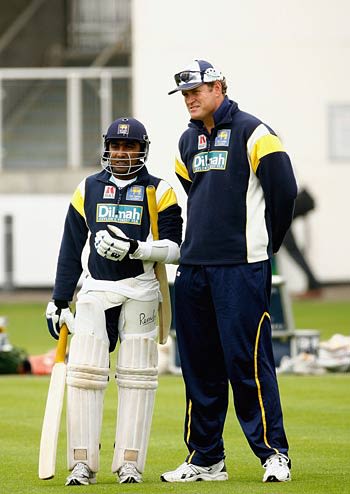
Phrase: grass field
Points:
(316, 412)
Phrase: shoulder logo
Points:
(223, 137)
(202, 141)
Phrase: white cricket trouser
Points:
(88, 369)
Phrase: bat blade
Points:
(160, 271)
(165, 305)
(53, 410)
(51, 423)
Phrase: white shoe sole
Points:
(79, 482)
(202, 476)
(273, 478)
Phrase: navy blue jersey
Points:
(98, 202)
(241, 189)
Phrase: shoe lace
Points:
(82, 470)
(282, 460)
(189, 468)
(128, 468)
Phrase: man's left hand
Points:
(115, 247)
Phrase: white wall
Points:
(37, 229)
(284, 62)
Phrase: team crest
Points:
(123, 129)
(135, 193)
(109, 192)
(223, 137)
(202, 141)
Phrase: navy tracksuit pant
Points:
(224, 336)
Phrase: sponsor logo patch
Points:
(214, 160)
(135, 193)
(223, 137)
(119, 213)
(109, 192)
(202, 141)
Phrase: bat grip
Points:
(153, 213)
(62, 344)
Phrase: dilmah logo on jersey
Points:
(214, 160)
(202, 141)
(109, 192)
(119, 213)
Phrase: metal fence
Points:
(55, 117)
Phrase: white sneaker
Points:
(187, 472)
(81, 475)
(277, 469)
(128, 474)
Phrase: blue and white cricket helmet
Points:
(126, 128)
(195, 74)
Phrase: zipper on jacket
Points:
(119, 198)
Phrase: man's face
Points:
(202, 101)
(124, 155)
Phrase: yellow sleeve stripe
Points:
(261, 143)
(265, 145)
(180, 169)
(167, 199)
(78, 201)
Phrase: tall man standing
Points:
(241, 191)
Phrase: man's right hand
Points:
(57, 315)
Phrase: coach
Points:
(241, 191)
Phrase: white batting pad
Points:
(87, 377)
(137, 380)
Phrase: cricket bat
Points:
(53, 410)
(164, 312)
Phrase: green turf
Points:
(317, 421)
(316, 412)
(27, 326)
(329, 317)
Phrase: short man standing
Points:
(119, 298)
(241, 191)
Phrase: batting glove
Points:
(115, 247)
(57, 315)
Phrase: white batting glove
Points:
(56, 317)
(114, 249)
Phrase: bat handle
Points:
(153, 213)
(62, 344)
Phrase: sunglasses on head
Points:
(189, 76)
